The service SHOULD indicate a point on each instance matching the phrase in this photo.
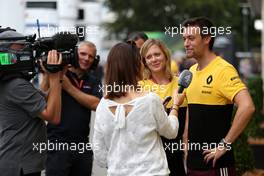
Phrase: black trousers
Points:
(69, 163)
(174, 158)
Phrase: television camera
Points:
(25, 62)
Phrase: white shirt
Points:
(131, 145)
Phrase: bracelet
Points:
(223, 140)
(224, 143)
(174, 108)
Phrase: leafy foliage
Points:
(149, 15)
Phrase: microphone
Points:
(184, 80)
(65, 40)
(60, 41)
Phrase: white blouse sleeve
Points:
(99, 146)
(167, 126)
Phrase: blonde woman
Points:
(158, 78)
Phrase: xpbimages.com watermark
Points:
(193, 146)
(80, 147)
(130, 88)
(81, 31)
(214, 31)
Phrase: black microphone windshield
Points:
(65, 40)
(184, 80)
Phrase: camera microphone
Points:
(59, 41)
(65, 40)
(184, 80)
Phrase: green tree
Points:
(155, 15)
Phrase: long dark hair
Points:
(123, 68)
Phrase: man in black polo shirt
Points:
(214, 89)
(72, 154)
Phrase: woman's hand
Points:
(178, 99)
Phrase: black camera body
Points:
(24, 63)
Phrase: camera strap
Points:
(53, 68)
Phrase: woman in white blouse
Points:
(129, 121)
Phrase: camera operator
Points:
(23, 110)
(80, 95)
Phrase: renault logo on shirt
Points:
(209, 79)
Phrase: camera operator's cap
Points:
(6, 34)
